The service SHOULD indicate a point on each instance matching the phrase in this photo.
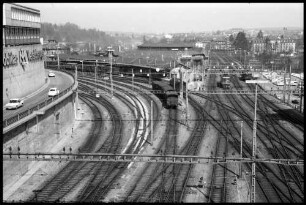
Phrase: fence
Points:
(40, 105)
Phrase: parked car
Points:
(14, 103)
(280, 83)
(53, 92)
(51, 74)
(294, 83)
(295, 101)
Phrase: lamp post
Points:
(254, 138)
(133, 79)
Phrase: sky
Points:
(171, 17)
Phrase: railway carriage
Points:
(246, 76)
(224, 82)
(166, 93)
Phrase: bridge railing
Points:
(39, 105)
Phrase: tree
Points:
(260, 35)
(241, 41)
(231, 38)
(268, 46)
(144, 39)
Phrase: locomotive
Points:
(166, 93)
(224, 82)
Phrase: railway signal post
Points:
(254, 140)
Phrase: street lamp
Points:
(254, 136)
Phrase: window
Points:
(26, 33)
(13, 14)
(13, 33)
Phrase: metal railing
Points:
(39, 105)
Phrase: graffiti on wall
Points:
(24, 56)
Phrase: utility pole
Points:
(174, 77)
(254, 140)
(254, 151)
(76, 91)
(187, 99)
(96, 75)
(110, 55)
(240, 165)
(301, 96)
(150, 77)
(289, 93)
(133, 78)
(181, 83)
(151, 113)
(284, 90)
(82, 68)
(111, 72)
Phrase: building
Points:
(23, 65)
(258, 46)
(220, 45)
(21, 25)
(52, 48)
(277, 45)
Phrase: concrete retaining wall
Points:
(18, 80)
(31, 137)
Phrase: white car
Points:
(14, 103)
(53, 92)
(294, 83)
(51, 74)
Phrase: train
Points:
(166, 93)
(224, 82)
(176, 83)
(104, 68)
(246, 76)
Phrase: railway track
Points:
(277, 185)
(69, 176)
